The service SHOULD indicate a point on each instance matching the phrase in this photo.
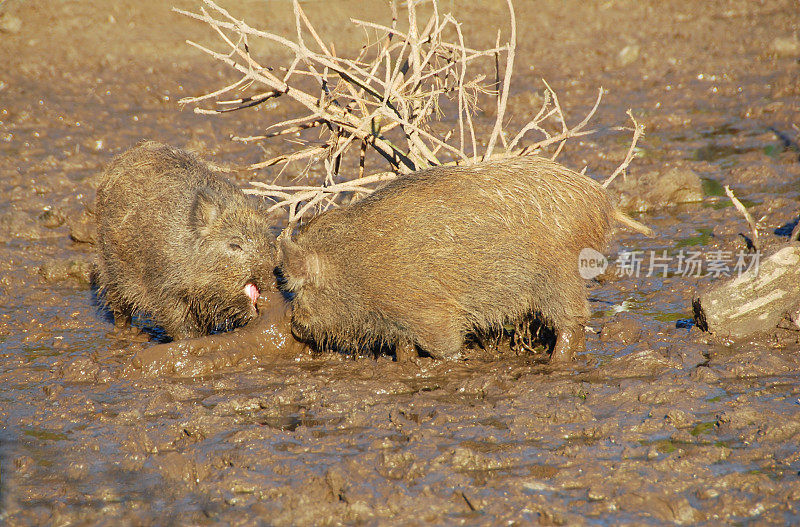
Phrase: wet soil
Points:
(656, 423)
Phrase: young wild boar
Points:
(179, 243)
(436, 254)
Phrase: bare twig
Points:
(285, 131)
(638, 130)
(503, 100)
(747, 216)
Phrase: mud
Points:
(656, 423)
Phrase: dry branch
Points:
(747, 216)
(638, 130)
(387, 100)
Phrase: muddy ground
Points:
(656, 424)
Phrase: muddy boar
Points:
(179, 243)
(439, 253)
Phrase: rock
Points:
(52, 218)
(786, 46)
(83, 228)
(628, 54)
(654, 190)
(679, 419)
(754, 302)
(10, 24)
(19, 224)
(58, 270)
(624, 328)
(704, 374)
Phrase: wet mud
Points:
(657, 423)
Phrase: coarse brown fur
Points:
(442, 252)
(178, 242)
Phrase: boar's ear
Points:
(206, 208)
(299, 266)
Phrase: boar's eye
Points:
(234, 246)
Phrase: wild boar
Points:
(436, 254)
(180, 243)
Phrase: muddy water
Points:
(657, 423)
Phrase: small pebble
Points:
(786, 46)
(628, 54)
(10, 24)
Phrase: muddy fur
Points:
(439, 253)
(178, 242)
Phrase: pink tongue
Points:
(251, 291)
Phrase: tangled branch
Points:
(386, 100)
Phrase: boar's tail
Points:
(629, 222)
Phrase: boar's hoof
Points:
(406, 352)
(127, 332)
(122, 320)
(568, 343)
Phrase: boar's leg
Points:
(405, 351)
(115, 302)
(566, 309)
(569, 342)
(122, 325)
(441, 342)
(122, 318)
(182, 324)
